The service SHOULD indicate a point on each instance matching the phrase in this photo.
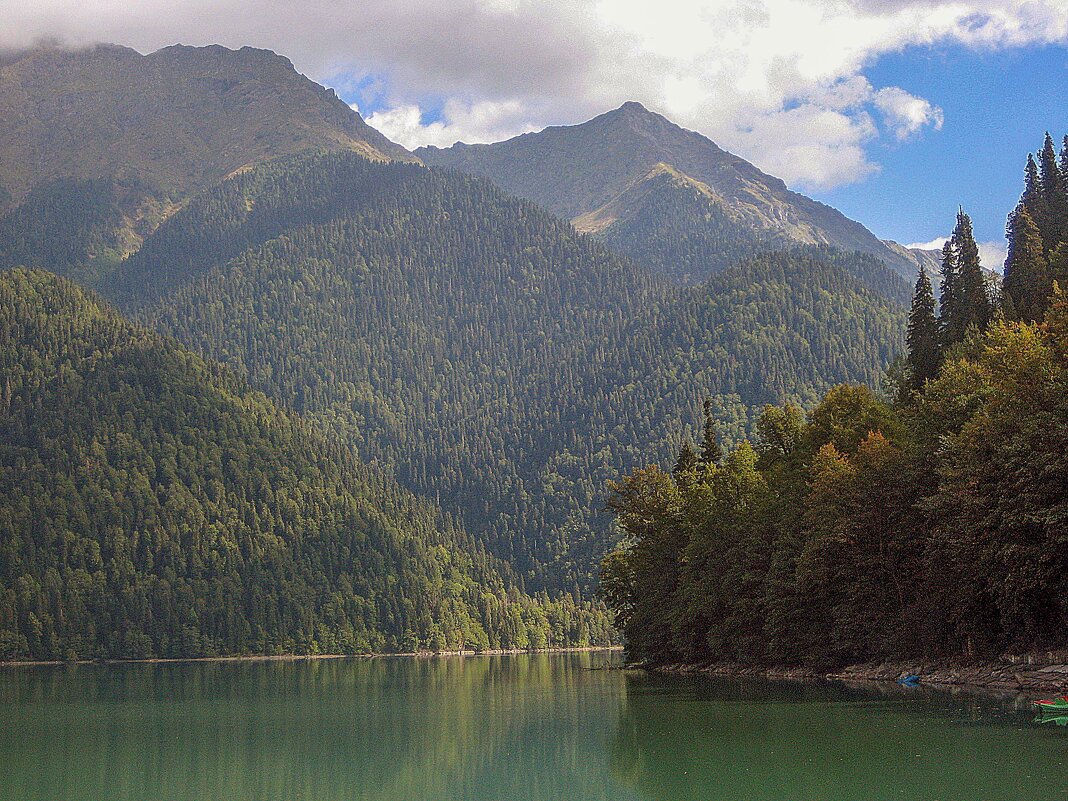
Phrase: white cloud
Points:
(781, 82)
(906, 114)
(991, 254)
(934, 244)
(486, 121)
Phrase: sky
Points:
(894, 111)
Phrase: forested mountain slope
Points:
(661, 194)
(499, 362)
(152, 505)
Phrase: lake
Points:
(537, 726)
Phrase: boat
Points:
(1056, 720)
(911, 680)
(1052, 704)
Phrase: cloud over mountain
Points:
(781, 82)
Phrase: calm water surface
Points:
(504, 727)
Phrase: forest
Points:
(926, 519)
(416, 330)
(153, 505)
(497, 362)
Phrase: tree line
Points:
(926, 519)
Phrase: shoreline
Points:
(15, 663)
(1021, 677)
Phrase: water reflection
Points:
(539, 727)
(766, 741)
(484, 727)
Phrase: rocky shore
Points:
(1047, 673)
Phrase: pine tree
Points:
(923, 336)
(973, 302)
(1058, 264)
(1027, 284)
(1033, 197)
(711, 451)
(1055, 225)
(949, 301)
(685, 470)
(1063, 162)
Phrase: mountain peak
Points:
(586, 172)
(178, 119)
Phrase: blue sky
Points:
(997, 107)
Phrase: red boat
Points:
(1053, 704)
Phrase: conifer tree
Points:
(1063, 163)
(923, 336)
(1053, 192)
(1033, 197)
(711, 451)
(970, 305)
(1058, 264)
(1027, 283)
(949, 302)
(685, 469)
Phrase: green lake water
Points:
(495, 728)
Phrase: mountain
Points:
(99, 145)
(178, 119)
(930, 260)
(472, 347)
(152, 505)
(644, 183)
(497, 361)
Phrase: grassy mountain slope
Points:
(98, 145)
(586, 172)
(177, 120)
(151, 505)
(498, 361)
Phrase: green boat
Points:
(1056, 720)
(1052, 705)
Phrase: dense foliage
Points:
(498, 362)
(1037, 231)
(81, 229)
(151, 505)
(866, 530)
(932, 521)
(678, 230)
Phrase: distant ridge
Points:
(99, 145)
(178, 119)
(597, 174)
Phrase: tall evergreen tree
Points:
(1058, 265)
(972, 303)
(685, 469)
(923, 336)
(1054, 227)
(949, 301)
(1063, 162)
(1033, 197)
(711, 451)
(1027, 283)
